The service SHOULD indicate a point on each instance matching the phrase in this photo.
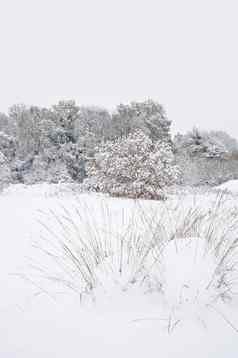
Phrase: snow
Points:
(122, 321)
(231, 185)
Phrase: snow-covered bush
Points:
(205, 144)
(43, 169)
(63, 163)
(206, 171)
(206, 157)
(21, 169)
(71, 155)
(133, 166)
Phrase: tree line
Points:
(128, 152)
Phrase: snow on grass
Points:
(162, 281)
(189, 286)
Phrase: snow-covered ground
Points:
(231, 186)
(121, 320)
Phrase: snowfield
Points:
(230, 186)
(161, 290)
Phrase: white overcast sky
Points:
(182, 53)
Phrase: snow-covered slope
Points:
(231, 185)
(121, 322)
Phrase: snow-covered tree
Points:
(7, 145)
(71, 155)
(5, 171)
(203, 143)
(24, 129)
(56, 164)
(93, 126)
(133, 166)
(229, 143)
(33, 125)
(148, 116)
(45, 170)
(206, 157)
(4, 120)
(7, 125)
(65, 114)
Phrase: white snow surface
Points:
(120, 323)
(231, 185)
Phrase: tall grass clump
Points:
(85, 248)
(112, 243)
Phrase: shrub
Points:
(134, 167)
